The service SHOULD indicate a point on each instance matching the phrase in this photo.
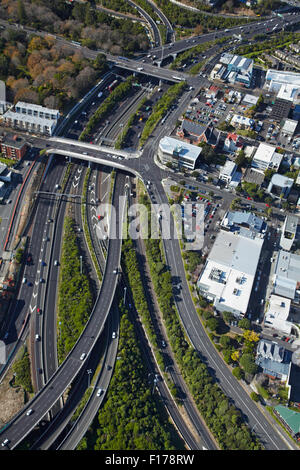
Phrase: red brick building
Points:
(13, 147)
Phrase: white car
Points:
(29, 412)
(99, 392)
(114, 335)
(37, 337)
(24, 280)
(82, 356)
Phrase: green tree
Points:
(244, 323)
(238, 373)
(248, 364)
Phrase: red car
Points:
(249, 198)
(267, 205)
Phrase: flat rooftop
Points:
(230, 269)
(185, 150)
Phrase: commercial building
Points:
(250, 100)
(266, 158)
(37, 111)
(276, 78)
(277, 313)
(289, 231)
(177, 152)
(281, 109)
(280, 185)
(289, 127)
(244, 223)
(286, 278)
(238, 69)
(32, 118)
(229, 174)
(229, 272)
(13, 147)
(242, 122)
(233, 69)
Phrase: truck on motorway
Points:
(112, 86)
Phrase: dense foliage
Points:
(191, 19)
(78, 21)
(131, 418)
(41, 71)
(75, 299)
(224, 420)
(21, 369)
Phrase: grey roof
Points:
(237, 252)
(272, 358)
(245, 223)
(270, 350)
(291, 223)
(276, 369)
(192, 127)
(287, 274)
(282, 181)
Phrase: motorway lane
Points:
(25, 305)
(150, 21)
(21, 425)
(90, 411)
(60, 421)
(193, 414)
(201, 342)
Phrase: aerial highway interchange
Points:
(52, 379)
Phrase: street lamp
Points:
(80, 264)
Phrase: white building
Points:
(289, 231)
(290, 81)
(280, 185)
(250, 100)
(266, 157)
(228, 172)
(287, 92)
(242, 122)
(228, 275)
(277, 314)
(178, 152)
(289, 127)
(286, 278)
(32, 118)
(37, 111)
